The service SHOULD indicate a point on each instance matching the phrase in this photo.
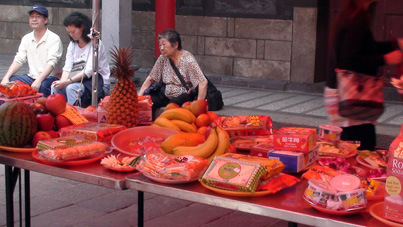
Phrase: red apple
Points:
(53, 133)
(45, 122)
(62, 121)
(56, 103)
(186, 105)
(40, 135)
(198, 107)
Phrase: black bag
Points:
(156, 88)
(213, 95)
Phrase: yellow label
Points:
(74, 116)
(393, 186)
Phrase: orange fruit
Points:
(212, 115)
(202, 120)
(202, 130)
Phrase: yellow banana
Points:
(203, 150)
(223, 143)
(179, 114)
(163, 122)
(184, 126)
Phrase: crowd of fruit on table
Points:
(232, 155)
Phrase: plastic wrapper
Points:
(101, 132)
(25, 99)
(233, 174)
(273, 167)
(60, 142)
(74, 152)
(16, 89)
(277, 183)
(167, 166)
(253, 125)
(322, 173)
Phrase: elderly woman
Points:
(175, 92)
(76, 83)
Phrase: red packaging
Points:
(262, 150)
(393, 206)
(253, 125)
(26, 99)
(93, 131)
(295, 139)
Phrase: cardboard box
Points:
(295, 139)
(26, 99)
(294, 161)
(393, 206)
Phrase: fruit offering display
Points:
(18, 124)
(123, 107)
(16, 89)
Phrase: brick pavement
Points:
(61, 202)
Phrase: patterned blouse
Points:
(187, 66)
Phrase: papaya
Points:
(182, 139)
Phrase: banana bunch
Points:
(217, 143)
(179, 119)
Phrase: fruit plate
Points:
(352, 154)
(120, 169)
(168, 181)
(18, 149)
(234, 193)
(91, 159)
(377, 212)
(121, 141)
(336, 212)
(380, 193)
(364, 163)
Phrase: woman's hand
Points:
(202, 90)
(146, 84)
(61, 83)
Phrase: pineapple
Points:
(123, 107)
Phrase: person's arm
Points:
(146, 84)
(14, 67)
(202, 90)
(45, 73)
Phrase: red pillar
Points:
(164, 19)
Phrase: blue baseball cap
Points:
(40, 9)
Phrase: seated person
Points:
(78, 56)
(171, 49)
(42, 49)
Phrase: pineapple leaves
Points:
(122, 59)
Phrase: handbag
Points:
(77, 68)
(213, 95)
(361, 96)
(156, 88)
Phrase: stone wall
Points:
(260, 51)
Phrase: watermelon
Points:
(18, 124)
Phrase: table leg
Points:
(11, 180)
(140, 208)
(27, 194)
(292, 224)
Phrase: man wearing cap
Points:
(42, 49)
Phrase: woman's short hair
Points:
(172, 36)
(79, 19)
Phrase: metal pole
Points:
(95, 45)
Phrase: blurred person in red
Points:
(354, 48)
